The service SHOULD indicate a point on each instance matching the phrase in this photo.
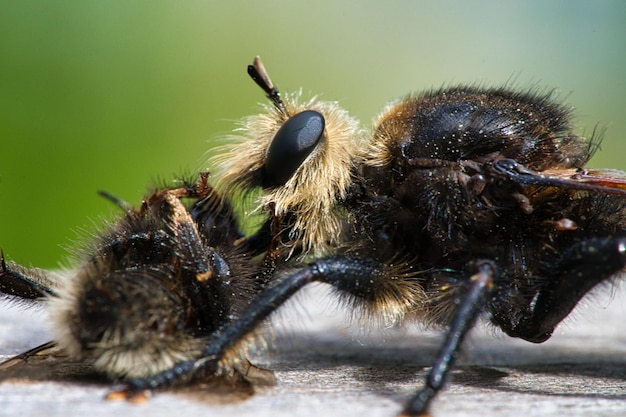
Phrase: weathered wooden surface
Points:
(326, 367)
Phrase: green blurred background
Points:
(116, 94)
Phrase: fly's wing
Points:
(609, 181)
(603, 181)
(34, 364)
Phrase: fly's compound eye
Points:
(294, 141)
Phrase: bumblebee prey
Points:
(151, 289)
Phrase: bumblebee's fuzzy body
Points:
(152, 289)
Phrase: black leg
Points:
(355, 276)
(23, 283)
(343, 273)
(481, 285)
(580, 269)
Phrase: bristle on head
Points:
(314, 190)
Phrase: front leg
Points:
(361, 278)
(338, 271)
(534, 316)
(470, 306)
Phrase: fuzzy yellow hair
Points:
(313, 192)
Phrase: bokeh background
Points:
(115, 95)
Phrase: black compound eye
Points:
(293, 142)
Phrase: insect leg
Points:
(582, 267)
(481, 285)
(341, 272)
(23, 283)
(29, 286)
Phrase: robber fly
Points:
(461, 203)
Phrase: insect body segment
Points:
(153, 289)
